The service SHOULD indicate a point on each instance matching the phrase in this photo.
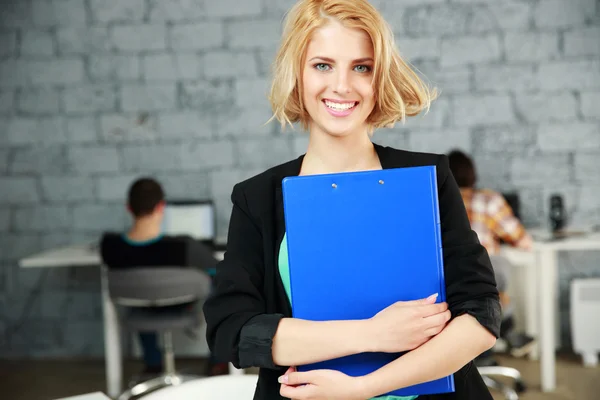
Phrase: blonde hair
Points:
(399, 92)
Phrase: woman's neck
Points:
(330, 154)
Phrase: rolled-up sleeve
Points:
(238, 329)
(470, 282)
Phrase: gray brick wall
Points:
(96, 92)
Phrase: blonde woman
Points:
(339, 75)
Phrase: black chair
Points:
(162, 300)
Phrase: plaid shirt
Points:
(491, 218)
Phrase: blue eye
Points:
(322, 67)
(362, 69)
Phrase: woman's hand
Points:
(322, 384)
(406, 325)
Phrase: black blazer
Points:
(249, 300)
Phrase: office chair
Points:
(490, 373)
(146, 296)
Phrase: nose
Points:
(342, 82)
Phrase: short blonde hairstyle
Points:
(399, 92)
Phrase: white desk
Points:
(87, 255)
(541, 301)
(89, 396)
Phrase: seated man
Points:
(493, 220)
(144, 245)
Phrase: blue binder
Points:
(357, 243)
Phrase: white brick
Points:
(224, 64)
(206, 96)
(233, 8)
(20, 131)
(93, 159)
(482, 110)
(265, 60)
(172, 66)
(449, 80)
(4, 155)
(15, 14)
(501, 16)
(531, 46)
(537, 168)
(198, 155)
(82, 130)
(176, 10)
(437, 117)
(439, 141)
(559, 13)
(90, 98)
(470, 50)
(590, 104)
(505, 78)
(38, 101)
(437, 21)
(222, 181)
(493, 169)
(582, 42)
(67, 189)
(7, 101)
(37, 43)
(569, 136)
(508, 139)
(277, 8)
(15, 247)
(93, 217)
(39, 160)
(419, 48)
(83, 40)
(198, 36)
(8, 43)
(4, 219)
(114, 188)
(114, 67)
(18, 190)
(264, 152)
(587, 167)
(121, 127)
(151, 158)
(55, 72)
(185, 185)
(587, 213)
(137, 38)
(185, 125)
(13, 73)
(244, 34)
(252, 93)
(393, 137)
(581, 75)
(152, 97)
(540, 107)
(117, 10)
(244, 122)
(59, 12)
(42, 218)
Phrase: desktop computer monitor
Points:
(195, 218)
(512, 198)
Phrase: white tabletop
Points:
(89, 396)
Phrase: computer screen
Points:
(194, 218)
(512, 198)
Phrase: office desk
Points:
(541, 301)
(89, 396)
(87, 255)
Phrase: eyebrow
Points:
(330, 60)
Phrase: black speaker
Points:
(558, 217)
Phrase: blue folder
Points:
(359, 242)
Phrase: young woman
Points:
(339, 75)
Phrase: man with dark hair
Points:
(144, 245)
(493, 220)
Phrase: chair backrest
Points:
(157, 286)
(224, 387)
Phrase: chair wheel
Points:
(520, 387)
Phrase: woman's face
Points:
(336, 77)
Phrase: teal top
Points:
(284, 272)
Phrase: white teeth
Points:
(339, 106)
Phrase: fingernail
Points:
(433, 296)
(282, 379)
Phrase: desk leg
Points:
(112, 342)
(532, 325)
(547, 289)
